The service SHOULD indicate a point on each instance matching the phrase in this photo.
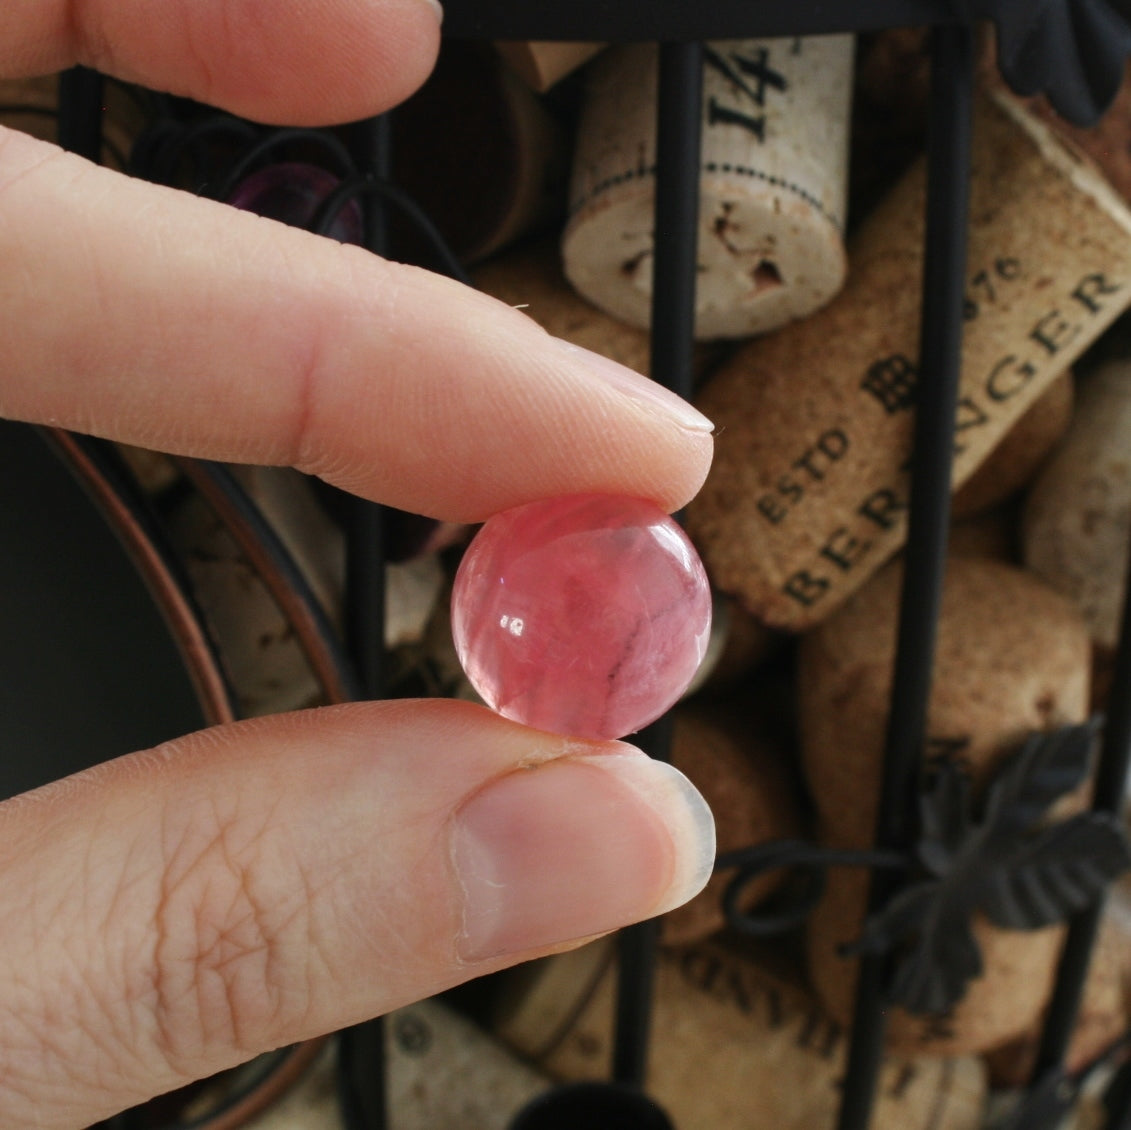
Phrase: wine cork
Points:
(745, 644)
(288, 502)
(989, 533)
(735, 1046)
(442, 1072)
(1012, 658)
(480, 154)
(808, 493)
(1107, 142)
(530, 277)
(1077, 518)
(1100, 1022)
(1025, 447)
(262, 655)
(730, 758)
(1090, 1113)
(153, 471)
(772, 187)
(264, 661)
(542, 64)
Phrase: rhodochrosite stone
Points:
(585, 615)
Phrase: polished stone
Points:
(585, 615)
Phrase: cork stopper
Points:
(737, 1044)
(1077, 517)
(1025, 447)
(542, 64)
(530, 277)
(1012, 657)
(773, 185)
(808, 493)
(730, 757)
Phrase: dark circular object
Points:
(596, 1106)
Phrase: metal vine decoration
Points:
(1006, 861)
(1004, 858)
(1073, 51)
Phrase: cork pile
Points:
(801, 524)
(806, 359)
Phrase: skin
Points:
(179, 910)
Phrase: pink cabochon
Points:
(585, 615)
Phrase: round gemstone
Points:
(291, 192)
(585, 615)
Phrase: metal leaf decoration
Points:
(933, 972)
(1045, 768)
(1073, 51)
(1021, 874)
(1059, 871)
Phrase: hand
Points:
(177, 911)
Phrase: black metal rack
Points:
(1080, 81)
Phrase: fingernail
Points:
(436, 7)
(642, 389)
(576, 847)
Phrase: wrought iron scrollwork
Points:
(1003, 858)
(806, 863)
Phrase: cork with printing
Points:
(773, 183)
(1012, 657)
(809, 489)
(1014, 462)
(736, 1045)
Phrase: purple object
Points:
(291, 192)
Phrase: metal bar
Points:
(679, 135)
(362, 1084)
(636, 969)
(80, 112)
(361, 1087)
(681, 21)
(924, 564)
(1111, 775)
(679, 130)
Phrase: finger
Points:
(317, 62)
(171, 914)
(164, 320)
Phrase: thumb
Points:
(178, 911)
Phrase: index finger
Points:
(155, 317)
(299, 62)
